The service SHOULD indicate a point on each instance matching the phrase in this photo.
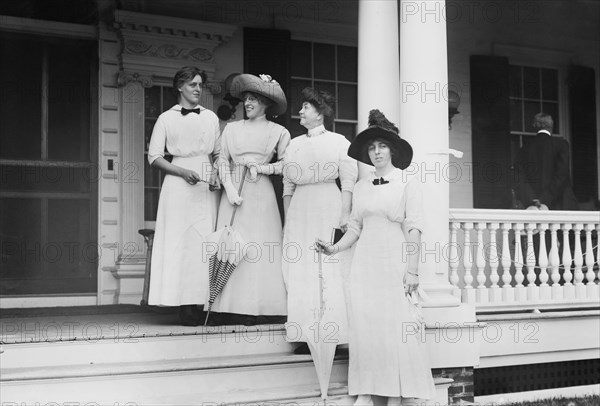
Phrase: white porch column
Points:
(424, 123)
(378, 62)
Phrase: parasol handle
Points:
(239, 194)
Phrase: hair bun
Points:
(378, 119)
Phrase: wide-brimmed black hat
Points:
(264, 86)
(380, 128)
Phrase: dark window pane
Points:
(170, 99)
(531, 83)
(347, 64)
(294, 94)
(327, 86)
(346, 129)
(150, 204)
(148, 127)
(21, 242)
(20, 98)
(71, 11)
(295, 128)
(48, 178)
(69, 100)
(531, 109)
(71, 251)
(347, 102)
(552, 109)
(516, 115)
(515, 81)
(301, 59)
(324, 62)
(550, 84)
(152, 107)
(151, 174)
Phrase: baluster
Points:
(589, 261)
(508, 294)
(567, 259)
(596, 287)
(520, 293)
(482, 293)
(495, 293)
(533, 293)
(545, 291)
(454, 259)
(578, 262)
(468, 293)
(554, 263)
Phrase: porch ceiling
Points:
(249, 13)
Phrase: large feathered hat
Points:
(380, 128)
(264, 86)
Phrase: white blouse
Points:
(320, 156)
(185, 136)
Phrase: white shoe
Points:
(364, 400)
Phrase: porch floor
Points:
(94, 323)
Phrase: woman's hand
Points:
(324, 246)
(411, 281)
(213, 182)
(232, 194)
(344, 221)
(190, 176)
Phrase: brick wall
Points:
(462, 389)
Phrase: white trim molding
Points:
(155, 47)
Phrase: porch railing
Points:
(525, 258)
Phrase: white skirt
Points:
(186, 215)
(314, 211)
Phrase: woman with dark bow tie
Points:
(386, 225)
(187, 211)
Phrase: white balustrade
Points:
(525, 259)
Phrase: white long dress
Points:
(383, 360)
(256, 286)
(312, 164)
(186, 213)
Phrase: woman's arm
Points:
(188, 175)
(346, 209)
(343, 244)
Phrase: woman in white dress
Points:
(386, 217)
(256, 286)
(186, 210)
(314, 206)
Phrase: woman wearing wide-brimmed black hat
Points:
(314, 206)
(386, 223)
(256, 288)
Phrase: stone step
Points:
(205, 342)
(140, 382)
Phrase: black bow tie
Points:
(380, 181)
(185, 111)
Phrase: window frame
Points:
(294, 116)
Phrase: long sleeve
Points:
(355, 221)
(282, 145)
(348, 169)
(158, 141)
(413, 206)
(216, 152)
(224, 158)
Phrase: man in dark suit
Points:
(542, 169)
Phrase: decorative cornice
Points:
(166, 50)
(172, 26)
(124, 78)
(155, 47)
